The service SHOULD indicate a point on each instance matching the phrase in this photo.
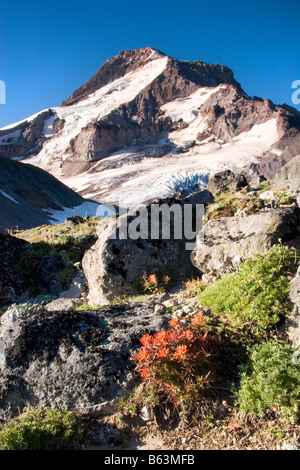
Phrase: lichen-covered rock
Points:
(113, 266)
(72, 360)
(226, 181)
(229, 241)
(288, 178)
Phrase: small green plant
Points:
(286, 200)
(32, 306)
(257, 296)
(264, 186)
(154, 284)
(227, 205)
(270, 380)
(178, 362)
(42, 429)
(193, 287)
(85, 307)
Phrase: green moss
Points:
(256, 296)
(227, 205)
(270, 380)
(42, 429)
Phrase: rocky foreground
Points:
(73, 316)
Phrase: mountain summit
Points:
(147, 124)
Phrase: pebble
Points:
(159, 309)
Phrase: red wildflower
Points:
(161, 337)
(146, 340)
(163, 352)
(198, 319)
(142, 354)
(189, 334)
(144, 373)
(180, 352)
(174, 322)
(152, 278)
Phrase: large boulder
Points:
(226, 181)
(12, 284)
(229, 241)
(113, 266)
(72, 360)
(288, 178)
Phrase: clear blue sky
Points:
(50, 48)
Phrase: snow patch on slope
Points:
(96, 106)
(187, 108)
(28, 119)
(8, 196)
(87, 209)
(11, 138)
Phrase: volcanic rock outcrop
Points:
(72, 360)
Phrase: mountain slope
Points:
(30, 197)
(147, 124)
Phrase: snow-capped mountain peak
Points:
(146, 119)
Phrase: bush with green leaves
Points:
(270, 380)
(42, 429)
(256, 297)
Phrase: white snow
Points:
(96, 106)
(153, 177)
(11, 138)
(48, 126)
(187, 108)
(8, 196)
(87, 209)
(28, 119)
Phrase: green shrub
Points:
(256, 296)
(41, 429)
(286, 200)
(270, 380)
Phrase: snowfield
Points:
(87, 209)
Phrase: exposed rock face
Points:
(12, 284)
(229, 241)
(114, 265)
(141, 117)
(130, 60)
(71, 360)
(288, 178)
(226, 181)
(26, 138)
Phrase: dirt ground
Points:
(225, 430)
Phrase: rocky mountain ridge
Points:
(145, 122)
